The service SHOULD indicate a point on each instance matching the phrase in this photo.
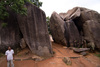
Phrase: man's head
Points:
(9, 48)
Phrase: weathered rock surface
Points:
(73, 34)
(84, 53)
(89, 23)
(9, 33)
(34, 31)
(23, 43)
(64, 32)
(57, 29)
(85, 27)
(78, 50)
(63, 15)
(67, 61)
(37, 58)
(91, 30)
(72, 14)
(32, 28)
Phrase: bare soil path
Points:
(56, 61)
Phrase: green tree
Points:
(16, 6)
(37, 3)
(48, 23)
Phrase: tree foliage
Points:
(48, 23)
(4, 24)
(37, 3)
(16, 6)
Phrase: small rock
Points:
(64, 47)
(78, 50)
(67, 60)
(98, 66)
(37, 58)
(71, 48)
(83, 53)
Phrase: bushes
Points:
(4, 25)
(1, 54)
(98, 55)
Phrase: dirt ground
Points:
(60, 52)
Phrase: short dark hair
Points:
(9, 46)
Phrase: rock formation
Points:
(57, 28)
(32, 28)
(89, 23)
(91, 31)
(9, 33)
(85, 27)
(23, 43)
(73, 34)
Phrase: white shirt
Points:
(9, 54)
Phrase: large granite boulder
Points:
(85, 27)
(64, 31)
(87, 21)
(9, 33)
(34, 30)
(20, 30)
(57, 29)
(91, 31)
(63, 15)
(72, 14)
(73, 34)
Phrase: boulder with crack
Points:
(34, 30)
(57, 29)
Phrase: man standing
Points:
(9, 57)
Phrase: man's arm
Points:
(6, 58)
(13, 55)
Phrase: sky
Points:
(49, 6)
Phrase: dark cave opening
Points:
(79, 24)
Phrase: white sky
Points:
(59, 6)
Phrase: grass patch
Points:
(54, 52)
(98, 55)
(1, 54)
(4, 25)
(17, 50)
